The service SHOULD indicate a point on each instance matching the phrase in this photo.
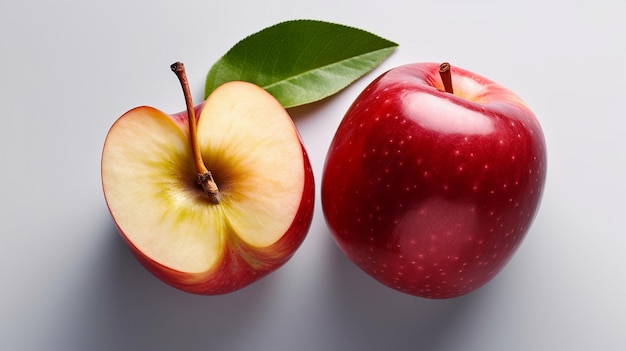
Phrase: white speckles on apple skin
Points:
(428, 213)
(419, 210)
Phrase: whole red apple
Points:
(430, 187)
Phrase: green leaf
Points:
(301, 61)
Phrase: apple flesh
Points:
(429, 192)
(254, 152)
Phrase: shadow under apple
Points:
(382, 318)
(123, 306)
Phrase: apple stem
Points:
(205, 178)
(446, 77)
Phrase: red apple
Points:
(252, 208)
(431, 191)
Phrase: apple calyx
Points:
(446, 77)
(205, 177)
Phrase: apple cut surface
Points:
(250, 145)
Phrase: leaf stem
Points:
(446, 77)
(205, 178)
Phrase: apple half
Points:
(257, 160)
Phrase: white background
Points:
(69, 69)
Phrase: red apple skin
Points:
(241, 264)
(428, 192)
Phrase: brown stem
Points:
(205, 178)
(446, 77)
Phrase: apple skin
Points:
(239, 263)
(431, 193)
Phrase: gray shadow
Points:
(124, 307)
(380, 318)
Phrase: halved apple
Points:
(256, 158)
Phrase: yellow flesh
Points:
(249, 143)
